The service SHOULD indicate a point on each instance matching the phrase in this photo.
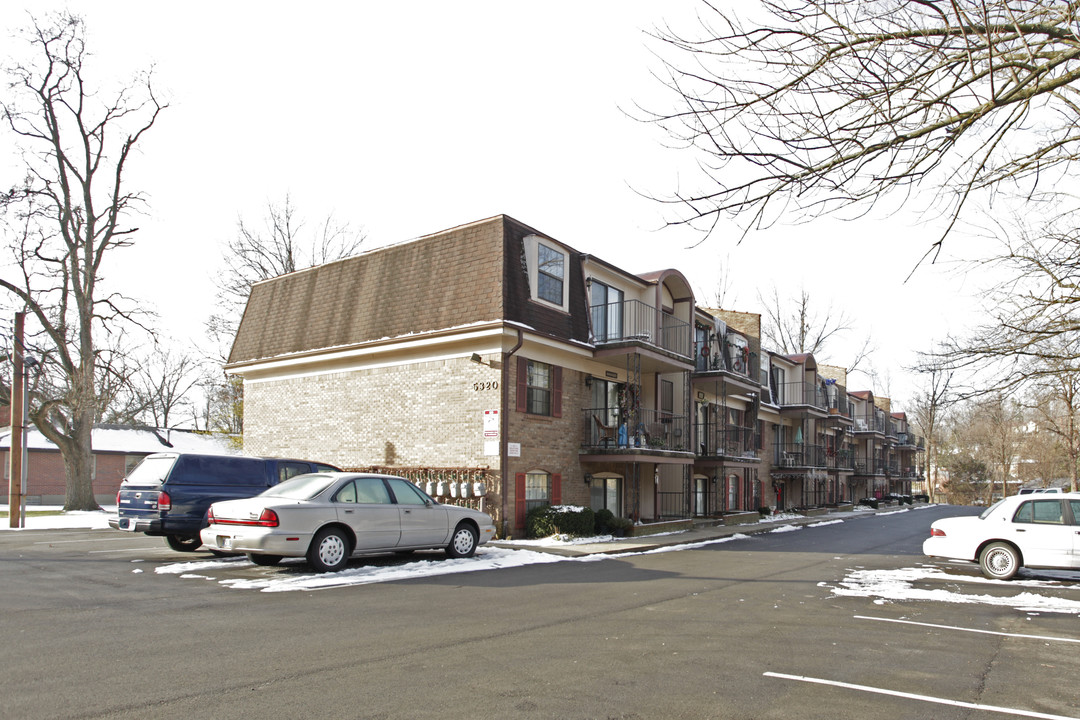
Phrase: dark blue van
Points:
(168, 494)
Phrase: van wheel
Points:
(184, 543)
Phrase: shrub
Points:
(620, 526)
(764, 511)
(604, 520)
(548, 520)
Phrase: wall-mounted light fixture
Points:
(477, 359)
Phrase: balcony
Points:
(632, 321)
(653, 432)
(865, 465)
(726, 441)
(802, 394)
(869, 424)
(799, 455)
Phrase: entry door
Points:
(701, 496)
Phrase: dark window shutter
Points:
(519, 500)
(556, 489)
(522, 387)
(556, 391)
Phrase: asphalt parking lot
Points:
(832, 620)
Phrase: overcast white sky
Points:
(407, 118)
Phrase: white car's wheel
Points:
(463, 543)
(999, 561)
(329, 550)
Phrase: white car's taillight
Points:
(936, 532)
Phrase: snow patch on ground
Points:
(887, 586)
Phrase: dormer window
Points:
(550, 274)
(548, 266)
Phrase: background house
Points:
(117, 449)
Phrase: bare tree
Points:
(1056, 409)
(796, 326)
(64, 222)
(928, 410)
(281, 246)
(804, 107)
(998, 424)
(161, 387)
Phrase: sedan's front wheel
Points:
(999, 561)
(463, 543)
(329, 550)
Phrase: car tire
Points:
(184, 543)
(463, 542)
(329, 550)
(264, 560)
(999, 561)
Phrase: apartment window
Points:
(667, 398)
(551, 272)
(539, 388)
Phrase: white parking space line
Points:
(91, 540)
(1045, 638)
(923, 698)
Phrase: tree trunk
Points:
(79, 464)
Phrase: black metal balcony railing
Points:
(634, 321)
(649, 430)
(869, 465)
(839, 459)
(726, 440)
(799, 455)
(869, 423)
(801, 393)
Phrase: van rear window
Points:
(151, 471)
(210, 470)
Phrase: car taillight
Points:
(210, 515)
(117, 499)
(164, 502)
(935, 532)
(268, 518)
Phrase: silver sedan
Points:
(330, 517)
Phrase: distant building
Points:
(117, 449)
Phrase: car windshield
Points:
(151, 471)
(992, 508)
(301, 487)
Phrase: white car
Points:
(329, 517)
(1040, 530)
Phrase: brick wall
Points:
(46, 478)
(423, 414)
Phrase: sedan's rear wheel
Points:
(329, 550)
(999, 561)
(184, 543)
(463, 543)
(267, 560)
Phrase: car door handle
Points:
(348, 512)
(407, 512)
(1020, 530)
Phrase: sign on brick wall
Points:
(491, 432)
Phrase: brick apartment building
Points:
(492, 353)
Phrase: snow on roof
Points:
(135, 441)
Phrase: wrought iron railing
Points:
(799, 455)
(634, 321)
(646, 430)
(801, 393)
(726, 440)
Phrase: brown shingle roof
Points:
(449, 279)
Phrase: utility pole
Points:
(18, 403)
